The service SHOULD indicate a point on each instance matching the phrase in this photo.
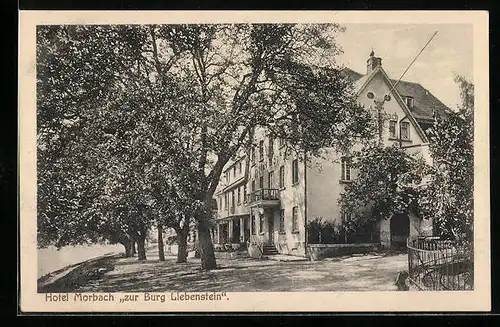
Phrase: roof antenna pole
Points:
(394, 86)
(380, 104)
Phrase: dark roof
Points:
(424, 103)
(351, 74)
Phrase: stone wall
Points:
(322, 251)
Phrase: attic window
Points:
(408, 101)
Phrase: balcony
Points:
(233, 211)
(264, 198)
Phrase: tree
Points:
(280, 77)
(190, 96)
(89, 99)
(449, 195)
(386, 184)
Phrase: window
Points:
(282, 176)
(408, 101)
(252, 155)
(392, 129)
(405, 130)
(295, 171)
(252, 187)
(345, 165)
(239, 195)
(245, 193)
(261, 182)
(261, 223)
(295, 219)
(271, 149)
(233, 202)
(346, 216)
(253, 225)
(220, 203)
(240, 167)
(270, 180)
(261, 150)
(282, 220)
(226, 200)
(234, 171)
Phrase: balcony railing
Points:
(263, 194)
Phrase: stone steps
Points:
(269, 249)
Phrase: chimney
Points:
(372, 63)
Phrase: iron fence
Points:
(263, 194)
(439, 265)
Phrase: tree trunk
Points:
(141, 248)
(133, 251)
(161, 249)
(182, 246)
(206, 246)
(126, 245)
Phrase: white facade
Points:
(314, 190)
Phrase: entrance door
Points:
(400, 230)
(225, 233)
(270, 221)
(246, 228)
(236, 231)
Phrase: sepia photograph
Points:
(186, 161)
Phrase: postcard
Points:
(243, 161)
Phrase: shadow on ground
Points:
(356, 273)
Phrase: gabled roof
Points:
(363, 82)
(424, 103)
(351, 74)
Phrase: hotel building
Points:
(267, 198)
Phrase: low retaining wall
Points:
(70, 278)
(322, 251)
(229, 246)
(231, 255)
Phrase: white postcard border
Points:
(477, 300)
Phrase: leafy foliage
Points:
(136, 123)
(390, 181)
(449, 195)
(385, 184)
(324, 231)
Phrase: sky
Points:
(449, 52)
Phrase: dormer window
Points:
(408, 101)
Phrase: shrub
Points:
(171, 240)
(323, 231)
(362, 232)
